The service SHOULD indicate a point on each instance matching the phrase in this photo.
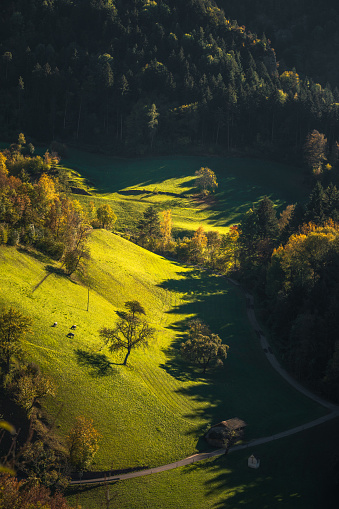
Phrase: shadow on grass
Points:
(205, 296)
(293, 481)
(55, 270)
(190, 183)
(197, 283)
(80, 489)
(232, 484)
(148, 192)
(34, 254)
(175, 365)
(89, 474)
(98, 363)
(207, 387)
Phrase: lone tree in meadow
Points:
(75, 259)
(131, 331)
(206, 180)
(13, 326)
(203, 347)
(106, 216)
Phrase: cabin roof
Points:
(231, 424)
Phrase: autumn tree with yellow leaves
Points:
(34, 210)
(206, 180)
(83, 443)
(315, 151)
(166, 229)
(302, 292)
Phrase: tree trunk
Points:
(127, 355)
(65, 111)
(79, 115)
(217, 135)
(8, 362)
(228, 133)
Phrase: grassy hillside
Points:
(295, 473)
(130, 185)
(154, 410)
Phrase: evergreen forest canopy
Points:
(137, 76)
(304, 33)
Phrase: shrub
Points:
(3, 234)
(51, 247)
(60, 148)
(13, 238)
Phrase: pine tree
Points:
(267, 222)
(149, 226)
(316, 205)
(152, 124)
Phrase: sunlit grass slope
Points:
(130, 185)
(295, 473)
(155, 409)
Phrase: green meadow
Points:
(130, 185)
(292, 475)
(155, 410)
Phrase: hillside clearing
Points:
(130, 185)
(289, 476)
(156, 409)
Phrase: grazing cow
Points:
(55, 324)
(70, 335)
(73, 327)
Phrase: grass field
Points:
(130, 185)
(156, 409)
(295, 473)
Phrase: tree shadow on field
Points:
(58, 271)
(175, 365)
(197, 282)
(192, 184)
(205, 296)
(34, 254)
(228, 482)
(98, 363)
(50, 269)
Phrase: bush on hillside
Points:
(50, 247)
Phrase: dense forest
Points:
(292, 262)
(138, 76)
(303, 34)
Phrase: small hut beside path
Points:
(225, 433)
(253, 461)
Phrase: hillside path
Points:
(252, 443)
(271, 357)
(206, 455)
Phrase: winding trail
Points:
(334, 411)
(271, 357)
